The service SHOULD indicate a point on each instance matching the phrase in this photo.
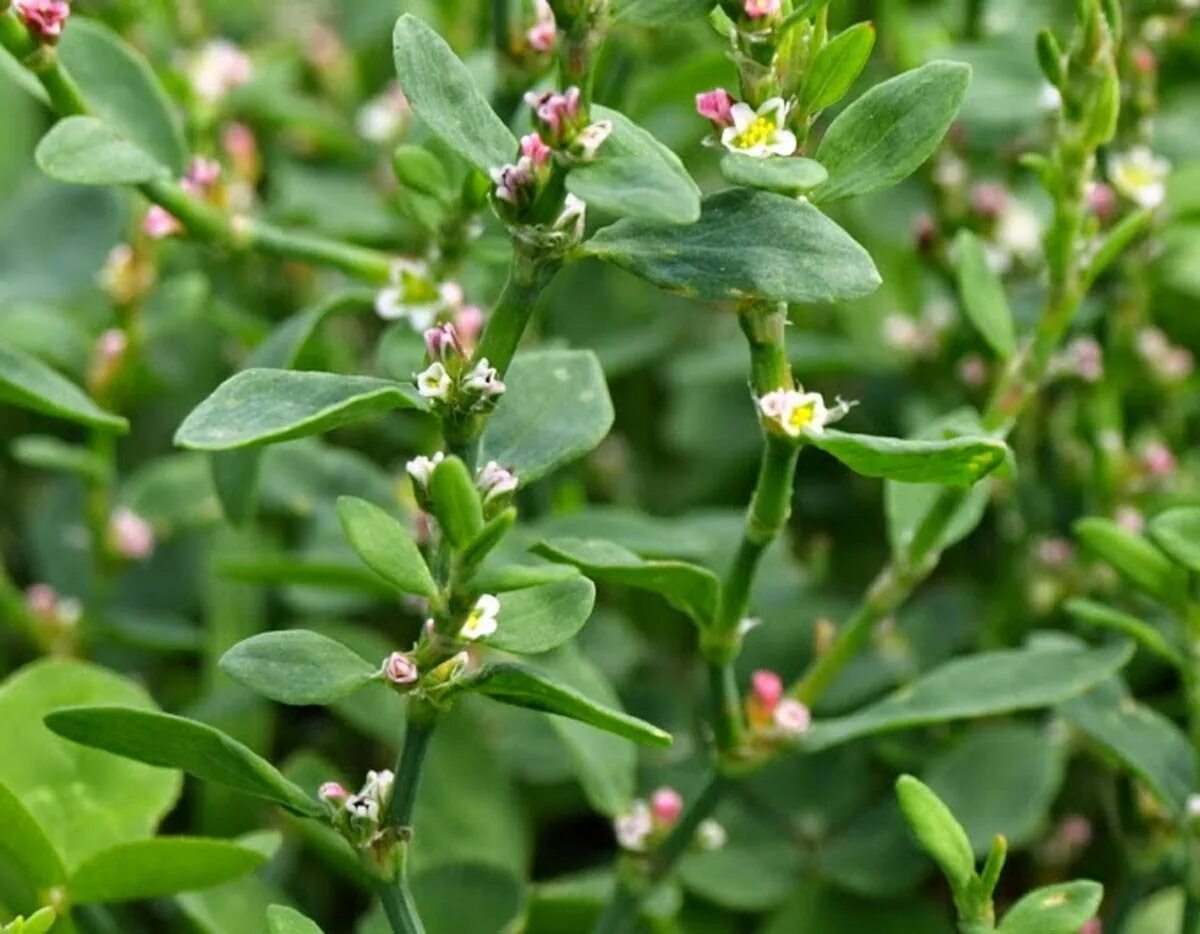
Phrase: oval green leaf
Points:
(456, 502)
(938, 831)
(537, 619)
(385, 546)
(787, 176)
(297, 667)
(260, 406)
(1054, 909)
(1177, 532)
(87, 151)
(28, 383)
(983, 296)
(957, 462)
(836, 67)
(1134, 558)
(284, 920)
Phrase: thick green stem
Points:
(528, 276)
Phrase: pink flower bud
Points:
(1130, 518)
(666, 805)
(400, 669)
(332, 792)
(716, 105)
(543, 36)
(42, 601)
(924, 232)
(1092, 926)
(441, 342)
(989, 200)
(756, 9)
(1143, 60)
(45, 19)
(130, 535)
(1158, 459)
(1102, 200)
(469, 323)
(535, 150)
(202, 174)
(792, 718)
(159, 223)
(1054, 552)
(767, 688)
(1075, 831)
(973, 370)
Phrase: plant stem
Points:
(397, 899)
(203, 221)
(528, 276)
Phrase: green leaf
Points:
(636, 176)
(456, 502)
(957, 462)
(983, 685)
(440, 90)
(688, 587)
(983, 296)
(284, 920)
(44, 452)
(28, 383)
(787, 176)
(27, 845)
(659, 12)
(298, 667)
(121, 89)
(891, 130)
(158, 867)
(938, 832)
(87, 151)
(83, 801)
(1134, 558)
(385, 546)
(1149, 744)
(37, 923)
(1177, 532)
(1054, 909)
(259, 406)
(747, 244)
(556, 409)
(525, 687)
(179, 743)
(304, 571)
(537, 619)
(836, 67)
(497, 895)
(1095, 614)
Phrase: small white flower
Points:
(571, 218)
(218, 68)
(483, 380)
(482, 620)
(1193, 806)
(710, 835)
(791, 718)
(633, 827)
(591, 138)
(421, 468)
(761, 132)
(379, 786)
(383, 117)
(1140, 176)
(795, 412)
(412, 295)
(1019, 232)
(494, 481)
(434, 382)
(362, 808)
(1050, 98)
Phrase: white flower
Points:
(412, 295)
(760, 133)
(710, 835)
(1018, 233)
(483, 380)
(421, 468)
(1050, 98)
(1140, 176)
(571, 219)
(363, 808)
(378, 786)
(634, 826)
(791, 718)
(494, 481)
(218, 68)
(434, 382)
(482, 620)
(383, 117)
(795, 412)
(591, 138)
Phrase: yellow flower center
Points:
(1136, 176)
(757, 133)
(802, 416)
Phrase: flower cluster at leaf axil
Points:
(357, 816)
(760, 132)
(453, 382)
(442, 655)
(45, 19)
(645, 824)
(772, 716)
(202, 181)
(495, 483)
(797, 414)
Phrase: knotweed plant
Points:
(393, 354)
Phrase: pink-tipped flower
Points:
(442, 342)
(666, 805)
(535, 150)
(792, 718)
(202, 175)
(332, 793)
(1055, 552)
(924, 231)
(400, 669)
(767, 689)
(1158, 459)
(1075, 831)
(1087, 359)
(42, 601)
(111, 347)
(1143, 59)
(239, 142)
(469, 323)
(130, 535)
(989, 200)
(716, 105)
(543, 36)
(1130, 518)
(495, 482)
(515, 183)
(1101, 200)
(1092, 926)
(558, 114)
(973, 370)
(159, 223)
(757, 9)
(45, 19)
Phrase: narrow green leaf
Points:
(489, 537)
(688, 587)
(1134, 558)
(303, 571)
(556, 409)
(787, 176)
(259, 406)
(1095, 614)
(1054, 909)
(385, 546)
(957, 462)
(887, 133)
(120, 88)
(1149, 744)
(44, 452)
(87, 151)
(179, 743)
(525, 687)
(983, 296)
(284, 920)
(440, 90)
(983, 685)
(158, 867)
(659, 12)
(836, 67)
(636, 176)
(938, 832)
(27, 845)
(298, 667)
(37, 923)
(537, 619)
(1177, 532)
(747, 244)
(1130, 228)
(28, 383)
(456, 502)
